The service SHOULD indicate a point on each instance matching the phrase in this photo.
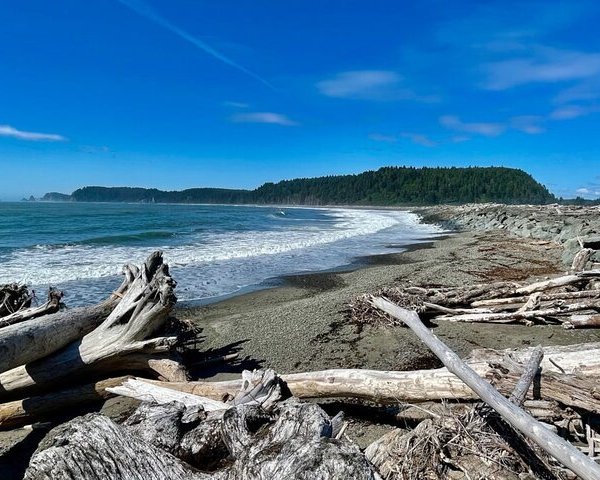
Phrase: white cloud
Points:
(544, 65)
(419, 139)
(236, 104)
(264, 117)
(381, 85)
(586, 90)
(379, 137)
(583, 191)
(569, 112)
(530, 124)
(452, 122)
(8, 131)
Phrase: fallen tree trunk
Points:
(37, 338)
(392, 387)
(508, 317)
(551, 443)
(95, 448)
(28, 410)
(493, 302)
(582, 321)
(550, 284)
(50, 306)
(295, 443)
(142, 310)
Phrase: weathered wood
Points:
(297, 446)
(50, 306)
(391, 387)
(169, 369)
(532, 303)
(93, 447)
(582, 257)
(37, 338)
(508, 317)
(545, 297)
(549, 284)
(260, 387)
(582, 321)
(14, 297)
(28, 410)
(529, 372)
(143, 309)
(160, 394)
(188, 433)
(551, 443)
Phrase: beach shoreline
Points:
(301, 326)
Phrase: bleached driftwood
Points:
(261, 388)
(551, 443)
(95, 448)
(29, 341)
(581, 259)
(556, 282)
(50, 306)
(529, 372)
(391, 387)
(143, 309)
(28, 410)
(156, 393)
(545, 297)
(508, 317)
(296, 444)
(582, 321)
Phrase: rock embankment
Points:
(573, 227)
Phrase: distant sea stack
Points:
(385, 187)
(56, 197)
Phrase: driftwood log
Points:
(551, 443)
(94, 447)
(28, 410)
(295, 442)
(14, 297)
(548, 301)
(143, 309)
(582, 321)
(581, 259)
(50, 306)
(509, 317)
(530, 371)
(574, 383)
(26, 342)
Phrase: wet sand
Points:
(301, 326)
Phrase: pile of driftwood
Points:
(496, 415)
(572, 300)
(257, 428)
(48, 354)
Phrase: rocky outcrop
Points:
(573, 227)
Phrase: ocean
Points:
(212, 250)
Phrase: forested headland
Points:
(386, 186)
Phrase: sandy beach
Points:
(301, 326)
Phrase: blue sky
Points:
(186, 93)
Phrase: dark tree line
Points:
(386, 186)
